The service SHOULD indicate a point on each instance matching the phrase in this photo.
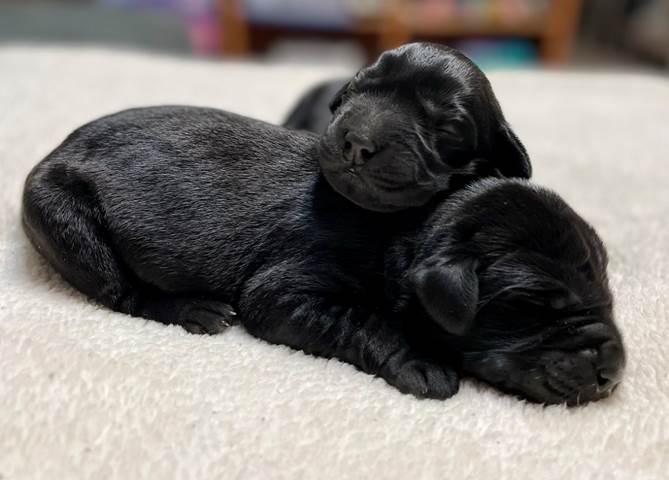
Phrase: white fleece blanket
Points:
(89, 393)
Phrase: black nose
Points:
(607, 380)
(609, 365)
(358, 148)
(595, 372)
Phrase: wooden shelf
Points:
(400, 21)
(529, 28)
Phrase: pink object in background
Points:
(204, 29)
(204, 32)
(436, 12)
(511, 11)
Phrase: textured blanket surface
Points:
(89, 393)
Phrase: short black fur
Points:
(421, 120)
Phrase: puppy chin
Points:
(364, 193)
(548, 377)
(504, 373)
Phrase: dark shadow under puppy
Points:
(507, 281)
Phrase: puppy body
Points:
(177, 213)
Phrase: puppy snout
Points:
(589, 374)
(598, 372)
(358, 148)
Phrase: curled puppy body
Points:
(507, 281)
(420, 121)
(177, 213)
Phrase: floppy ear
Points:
(449, 293)
(335, 103)
(509, 154)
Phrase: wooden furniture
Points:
(234, 27)
(400, 21)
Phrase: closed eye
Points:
(450, 130)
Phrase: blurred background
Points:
(620, 34)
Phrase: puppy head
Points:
(415, 123)
(524, 299)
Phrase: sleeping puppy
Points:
(511, 285)
(421, 120)
(177, 214)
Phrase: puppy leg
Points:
(64, 225)
(320, 324)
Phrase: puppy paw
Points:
(206, 316)
(195, 314)
(424, 379)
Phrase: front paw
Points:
(422, 378)
(206, 316)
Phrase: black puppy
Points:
(517, 283)
(176, 213)
(423, 119)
